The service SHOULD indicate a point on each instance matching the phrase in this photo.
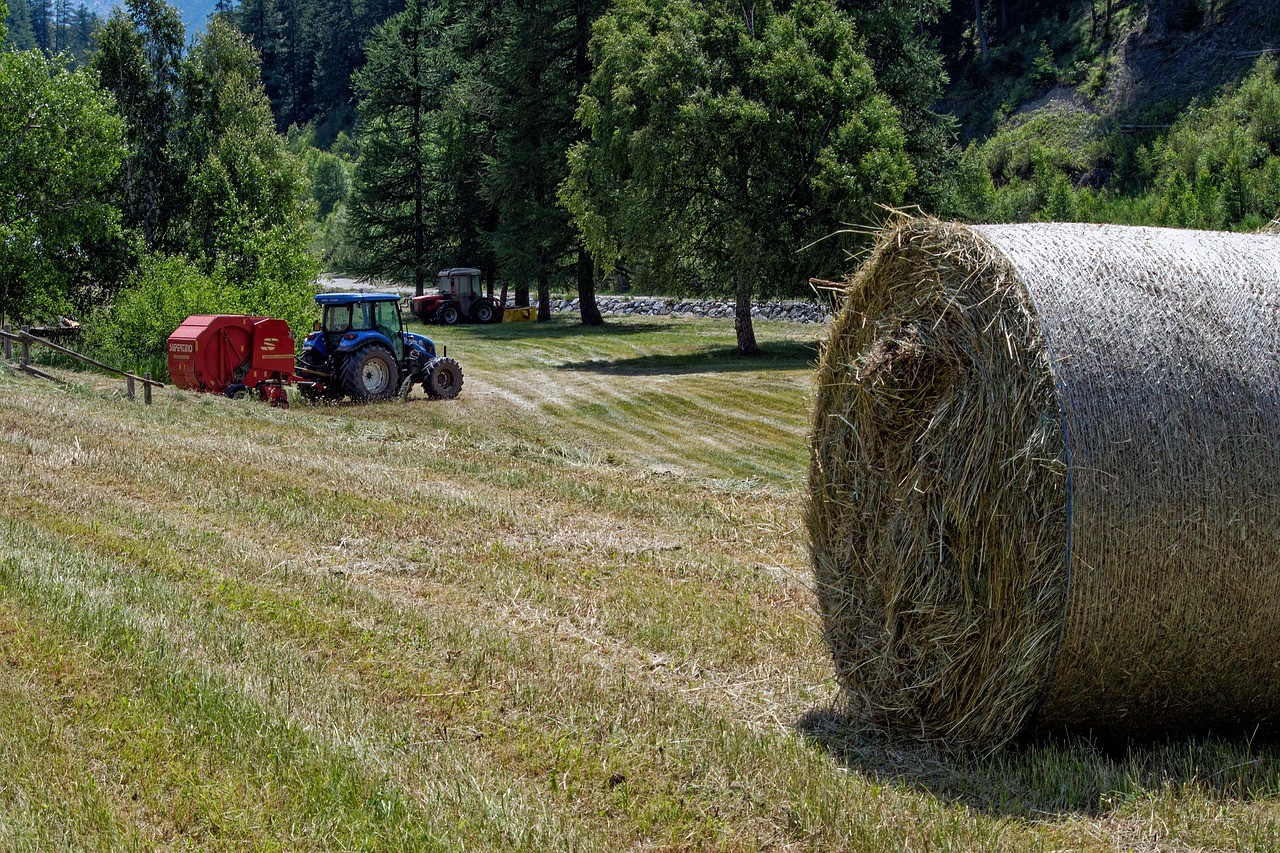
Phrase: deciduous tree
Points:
(726, 141)
(60, 146)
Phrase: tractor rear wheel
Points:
(442, 380)
(482, 311)
(371, 374)
(447, 315)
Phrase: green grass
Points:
(568, 610)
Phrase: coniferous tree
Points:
(247, 207)
(83, 25)
(61, 25)
(20, 35)
(530, 77)
(337, 51)
(139, 61)
(41, 15)
(392, 201)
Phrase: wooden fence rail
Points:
(25, 339)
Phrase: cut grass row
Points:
(566, 611)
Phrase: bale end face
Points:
(938, 491)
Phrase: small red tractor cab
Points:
(230, 354)
(459, 296)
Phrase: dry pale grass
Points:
(486, 625)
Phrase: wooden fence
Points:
(24, 339)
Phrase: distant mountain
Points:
(194, 12)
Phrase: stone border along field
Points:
(800, 311)
(567, 611)
(661, 306)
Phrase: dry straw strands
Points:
(1045, 484)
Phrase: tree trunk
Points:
(742, 311)
(503, 300)
(587, 290)
(982, 30)
(544, 297)
(522, 295)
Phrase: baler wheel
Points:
(442, 380)
(371, 374)
(236, 391)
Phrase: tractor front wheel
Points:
(371, 374)
(442, 380)
(447, 315)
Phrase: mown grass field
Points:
(567, 611)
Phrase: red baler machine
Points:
(232, 354)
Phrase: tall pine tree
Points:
(392, 203)
(139, 61)
(20, 35)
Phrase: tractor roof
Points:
(348, 298)
(460, 271)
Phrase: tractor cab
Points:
(351, 318)
(459, 295)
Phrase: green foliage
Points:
(60, 146)
(208, 180)
(723, 148)
(329, 183)
(900, 39)
(249, 209)
(1217, 167)
(139, 61)
(1044, 71)
(167, 289)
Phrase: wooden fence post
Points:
(26, 352)
(128, 384)
(146, 388)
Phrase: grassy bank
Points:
(568, 610)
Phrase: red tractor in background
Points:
(459, 296)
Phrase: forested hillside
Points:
(712, 148)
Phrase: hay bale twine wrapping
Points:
(1045, 482)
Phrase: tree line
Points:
(701, 146)
(148, 184)
(53, 26)
(711, 147)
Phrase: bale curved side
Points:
(938, 490)
(1166, 347)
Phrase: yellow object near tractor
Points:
(519, 315)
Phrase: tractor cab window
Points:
(337, 318)
(387, 318)
(356, 317)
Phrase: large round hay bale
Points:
(1045, 484)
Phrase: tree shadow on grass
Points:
(781, 355)
(1059, 775)
(556, 327)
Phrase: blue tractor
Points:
(361, 350)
